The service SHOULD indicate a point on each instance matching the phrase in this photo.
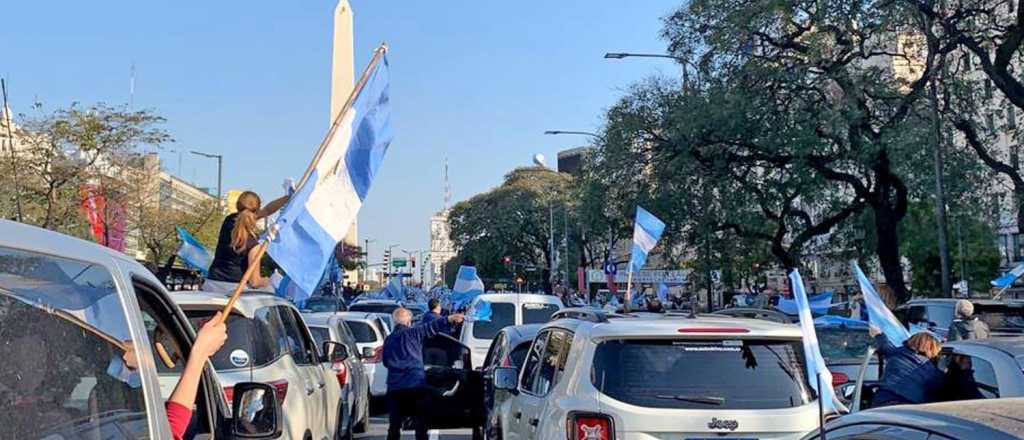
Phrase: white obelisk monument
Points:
(342, 81)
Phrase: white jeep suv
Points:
(593, 376)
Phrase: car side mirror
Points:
(367, 353)
(506, 378)
(257, 412)
(335, 351)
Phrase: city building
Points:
(571, 161)
(441, 248)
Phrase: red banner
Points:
(106, 218)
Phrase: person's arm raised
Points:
(210, 338)
(439, 325)
(272, 207)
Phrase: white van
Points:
(507, 309)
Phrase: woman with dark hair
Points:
(911, 375)
(236, 245)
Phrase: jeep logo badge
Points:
(716, 423)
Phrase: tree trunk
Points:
(1018, 195)
(889, 203)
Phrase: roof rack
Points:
(580, 313)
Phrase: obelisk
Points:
(342, 81)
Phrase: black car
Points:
(1004, 318)
(965, 420)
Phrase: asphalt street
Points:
(378, 429)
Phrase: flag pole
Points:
(378, 55)
(629, 287)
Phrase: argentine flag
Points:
(320, 213)
(878, 314)
(467, 286)
(192, 252)
(1008, 278)
(812, 352)
(646, 232)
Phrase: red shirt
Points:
(178, 416)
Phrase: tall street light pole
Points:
(220, 172)
(685, 62)
(582, 133)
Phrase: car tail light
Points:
(590, 426)
(229, 394)
(713, 330)
(342, 372)
(839, 379)
(377, 353)
(506, 361)
(280, 388)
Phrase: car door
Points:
(307, 361)
(549, 371)
(517, 426)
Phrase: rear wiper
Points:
(710, 400)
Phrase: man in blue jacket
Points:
(408, 394)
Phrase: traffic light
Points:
(412, 260)
(387, 260)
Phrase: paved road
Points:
(378, 429)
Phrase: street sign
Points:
(398, 262)
(610, 268)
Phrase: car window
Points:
(346, 336)
(320, 334)
(518, 354)
(251, 342)
(941, 315)
(843, 344)
(323, 304)
(1001, 317)
(536, 313)
(373, 308)
(494, 352)
(362, 331)
(502, 315)
(301, 348)
(66, 369)
(552, 365)
(533, 361)
(749, 374)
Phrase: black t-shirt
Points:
(229, 265)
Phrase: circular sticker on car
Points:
(239, 358)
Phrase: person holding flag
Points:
(236, 245)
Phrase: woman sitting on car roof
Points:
(911, 374)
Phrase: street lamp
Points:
(220, 169)
(682, 60)
(583, 133)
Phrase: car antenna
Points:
(821, 411)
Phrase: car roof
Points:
(357, 316)
(512, 297)
(961, 419)
(1013, 346)
(247, 303)
(661, 325)
(376, 301)
(519, 333)
(320, 319)
(952, 302)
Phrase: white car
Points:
(507, 309)
(602, 377)
(369, 330)
(268, 342)
(355, 383)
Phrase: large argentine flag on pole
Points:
(320, 213)
(467, 286)
(879, 314)
(192, 252)
(816, 368)
(646, 232)
(1008, 278)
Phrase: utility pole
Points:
(940, 190)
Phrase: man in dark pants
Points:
(408, 394)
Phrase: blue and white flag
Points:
(646, 232)
(320, 213)
(479, 311)
(816, 368)
(395, 289)
(192, 252)
(819, 303)
(467, 286)
(662, 292)
(1009, 277)
(878, 314)
(285, 288)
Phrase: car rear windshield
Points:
(250, 341)
(1001, 317)
(502, 315)
(320, 334)
(322, 305)
(362, 331)
(373, 308)
(674, 374)
(536, 313)
(843, 344)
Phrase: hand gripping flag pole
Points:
(378, 55)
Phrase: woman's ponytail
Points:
(248, 205)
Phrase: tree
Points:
(513, 220)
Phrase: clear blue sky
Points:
(477, 82)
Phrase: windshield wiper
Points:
(709, 400)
